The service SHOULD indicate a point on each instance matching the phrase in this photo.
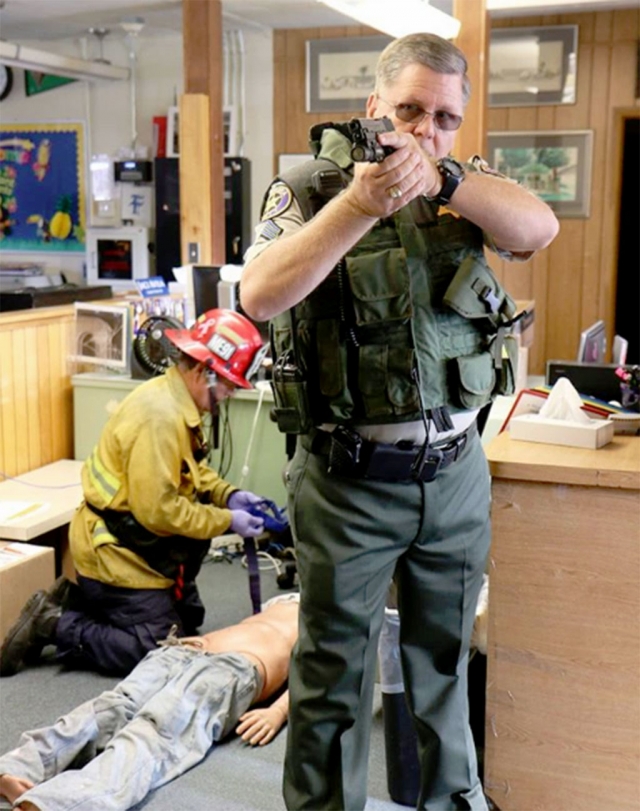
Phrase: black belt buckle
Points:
(431, 466)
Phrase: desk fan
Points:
(152, 352)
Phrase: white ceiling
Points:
(24, 20)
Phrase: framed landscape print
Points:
(531, 66)
(554, 165)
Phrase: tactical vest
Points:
(411, 319)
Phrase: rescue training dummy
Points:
(161, 720)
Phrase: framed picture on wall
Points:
(554, 165)
(341, 72)
(532, 66)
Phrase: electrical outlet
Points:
(194, 252)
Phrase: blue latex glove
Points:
(246, 525)
(242, 500)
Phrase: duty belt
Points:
(350, 455)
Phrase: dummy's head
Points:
(225, 342)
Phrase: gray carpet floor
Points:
(234, 776)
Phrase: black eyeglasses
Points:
(414, 114)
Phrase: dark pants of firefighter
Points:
(351, 535)
(111, 629)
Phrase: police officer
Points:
(151, 506)
(390, 332)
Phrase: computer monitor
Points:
(593, 344)
(213, 286)
(205, 288)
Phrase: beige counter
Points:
(563, 680)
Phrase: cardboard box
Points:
(24, 568)
(534, 428)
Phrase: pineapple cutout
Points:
(61, 223)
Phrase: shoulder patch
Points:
(279, 199)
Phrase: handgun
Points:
(363, 134)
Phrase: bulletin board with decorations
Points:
(42, 192)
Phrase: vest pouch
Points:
(474, 292)
(507, 372)
(476, 379)
(291, 410)
(380, 286)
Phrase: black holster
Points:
(165, 554)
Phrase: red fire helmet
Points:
(226, 342)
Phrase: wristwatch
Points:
(453, 173)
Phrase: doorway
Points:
(627, 316)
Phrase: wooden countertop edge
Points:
(617, 465)
(544, 474)
(35, 315)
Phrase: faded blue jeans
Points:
(151, 727)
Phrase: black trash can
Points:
(400, 741)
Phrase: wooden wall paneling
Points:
(32, 382)
(598, 112)
(296, 111)
(20, 398)
(522, 118)
(546, 117)
(57, 371)
(564, 290)
(8, 452)
(61, 348)
(538, 352)
(36, 409)
(586, 27)
(626, 24)
(603, 26)
(45, 389)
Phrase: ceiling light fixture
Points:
(398, 17)
(20, 56)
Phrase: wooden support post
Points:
(196, 235)
(202, 182)
(473, 41)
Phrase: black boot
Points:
(34, 628)
(58, 593)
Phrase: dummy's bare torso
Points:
(266, 639)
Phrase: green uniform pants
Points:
(351, 536)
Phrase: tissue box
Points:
(534, 428)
